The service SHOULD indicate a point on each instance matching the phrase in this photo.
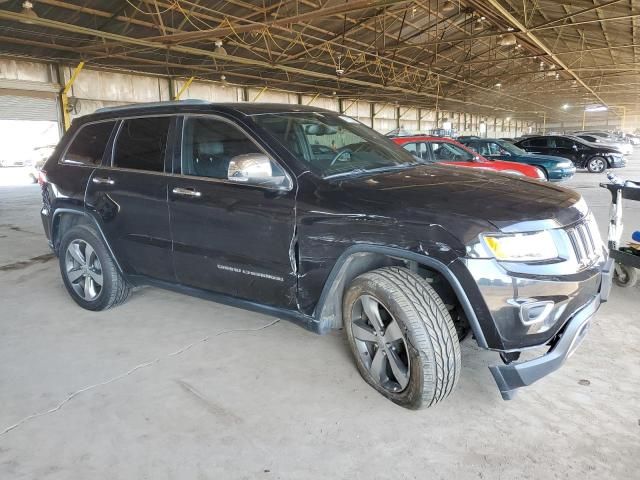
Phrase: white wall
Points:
(94, 89)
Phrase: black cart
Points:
(627, 262)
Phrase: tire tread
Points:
(432, 331)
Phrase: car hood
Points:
(502, 165)
(448, 195)
(541, 158)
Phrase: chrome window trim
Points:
(61, 160)
(288, 188)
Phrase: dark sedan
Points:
(595, 158)
(556, 169)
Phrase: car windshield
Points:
(332, 144)
(511, 148)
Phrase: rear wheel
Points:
(597, 165)
(88, 271)
(402, 337)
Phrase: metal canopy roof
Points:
(529, 57)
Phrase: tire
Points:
(596, 165)
(78, 243)
(625, 276)
(418, 337)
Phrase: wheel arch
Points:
(65, 218)
(359, 259)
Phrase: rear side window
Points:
(564, 142)
(418, 149)
(89, 144)
(535, 142)
(141, 144)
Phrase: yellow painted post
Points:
(584, 118)
(64, 98)
(264, 89)
(313, 99)
(183, 89)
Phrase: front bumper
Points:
(561, 174)
(512, 376)
(617, 162)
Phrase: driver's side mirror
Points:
(575, 147)
(256, 169)
(476, 158)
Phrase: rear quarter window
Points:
(536, 142)
(88, 145)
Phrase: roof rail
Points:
(152, 105)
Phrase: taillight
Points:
(42, 178)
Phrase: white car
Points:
(625, 147)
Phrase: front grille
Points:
(586, 241)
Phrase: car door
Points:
(128, 197)
(564, 147)
(232, 237)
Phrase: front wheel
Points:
(624, 275)
(597, 165)
(402, 337)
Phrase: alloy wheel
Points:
(83, 270)
(381, 344)
(597, 165)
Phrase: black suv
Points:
(309, 215)
(595, 158)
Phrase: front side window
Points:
(87, 147)
(563, 142)
(141, 144)
(489, 149)
(332, 144)
(537, 142)
(214, 148)
(448, 152)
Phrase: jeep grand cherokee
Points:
(309, 215)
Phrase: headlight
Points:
(522, 247)
(513, 172)
(565, 165)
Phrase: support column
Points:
(64, 98)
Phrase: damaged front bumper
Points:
(513, 376)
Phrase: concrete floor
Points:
(280, 402)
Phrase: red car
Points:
(448, 151)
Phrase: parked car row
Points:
(553, 157)
(488, 154)
(450, 152)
